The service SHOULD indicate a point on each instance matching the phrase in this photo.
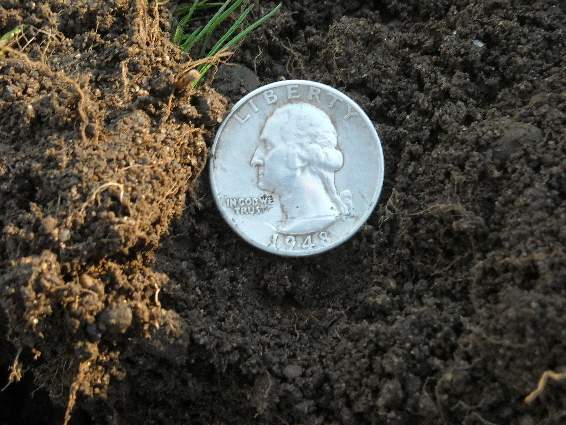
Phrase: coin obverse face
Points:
(296, 168)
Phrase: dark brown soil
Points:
(122, 287)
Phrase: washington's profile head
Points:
(297, 159)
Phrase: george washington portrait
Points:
(297, 159)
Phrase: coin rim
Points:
(365, 217)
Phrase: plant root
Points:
(125, 81)
(83, 366)
(542, 383)
(15, 371)
(83, 100)
(146, 27)
(189, 73)
(101, 189)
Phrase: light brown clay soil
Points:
(118, 274)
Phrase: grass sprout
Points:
(9, 37)
(195, 39)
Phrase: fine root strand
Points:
(20, 57)
(15, 371)
(543, 382)
(83, 367)
(125, 81)
(189, 72)
(101, 189)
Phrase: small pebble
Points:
(293, 371)
(116, 318)
(478, 44)
(64, 235)
(49, 224)
(305, 407)
(390, 396)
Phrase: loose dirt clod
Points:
(116, 318)
(95, 161)
(83, 100)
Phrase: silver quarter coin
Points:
(296, 168)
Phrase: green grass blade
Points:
(220, 43)
(182, 9)
(211, 5)
(202, 71)
(229, 11)
(180, 31)
(252, 27)
(201, 36)
(211, 24)
(185, 8)
(179, 34)
(189, 39)
(219, 21)
(225, 15)
(10, 35)
(217, 48)
(229, 33)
